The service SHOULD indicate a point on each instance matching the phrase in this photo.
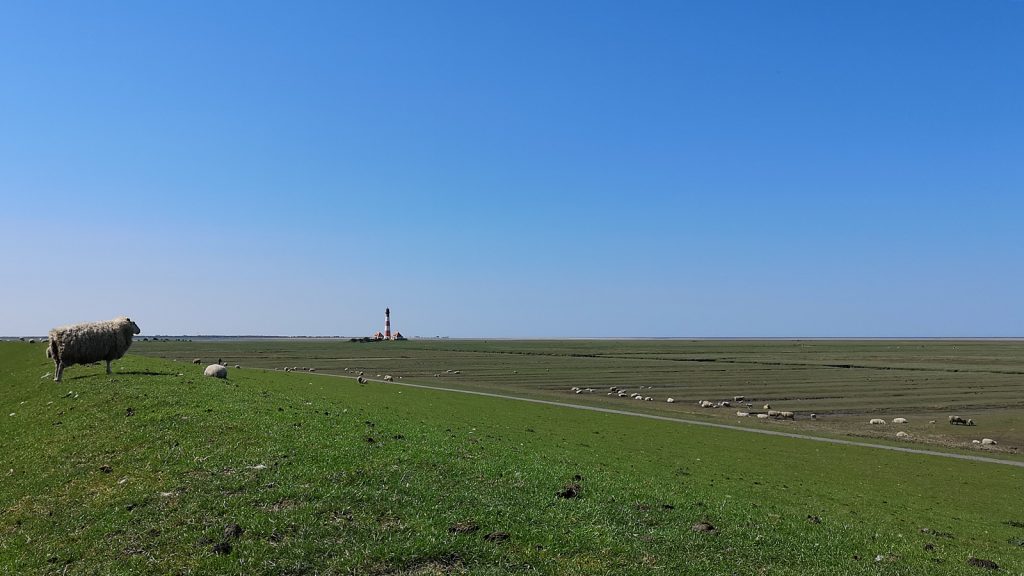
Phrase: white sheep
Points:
(388, 378)
(814, 416)
(90, 342)
(767, 407)
(876, 421)
(762, 416)
(899, 420)
(706, 404)
(902, 434)
(743, 414)
(670, 400)
(216, 371)
(988, 441)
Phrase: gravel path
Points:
(970, 457)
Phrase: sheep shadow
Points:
(119, 373)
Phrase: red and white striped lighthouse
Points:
(387, 323)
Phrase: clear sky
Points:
(517, 169)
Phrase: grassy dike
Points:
(145, 471)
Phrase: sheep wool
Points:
(216, 371)
(90, 342)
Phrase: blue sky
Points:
(531, 169)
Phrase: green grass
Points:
(186, 464)
(845, 382)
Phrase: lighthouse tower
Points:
(387, 323)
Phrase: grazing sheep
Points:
(31, 340)
(976, 441)
(970, 422)
(988, 441)
(743, 414)
(876, 421)
(902, 434)
(787, 416)
(706, 404)
(773, 413)
(638, 397)
(361, 380)
(738, 398)
(90, 342)
(931, 421)
(388, 378)
(814, 416)
(725, 404)
(762, 416)
(961, 421)
(899, 420)
(648, 398)
(237, 366)
(670, 400)
(216, 371)
(197, 360)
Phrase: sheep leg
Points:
(108, 367)
(59, 369)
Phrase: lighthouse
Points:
(387, 323)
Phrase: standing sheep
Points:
(90, 342)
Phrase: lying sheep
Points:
(876, 421)
(961, 421)
(743, 414)
(361, 380)
(90, 342)
(767, 407)
(988, 442)
(389, 378)
(216, 371)
(762, 416)
(902, 434)
(706, 404)
(899, 420)
(670, 400)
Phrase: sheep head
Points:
(127, 323)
